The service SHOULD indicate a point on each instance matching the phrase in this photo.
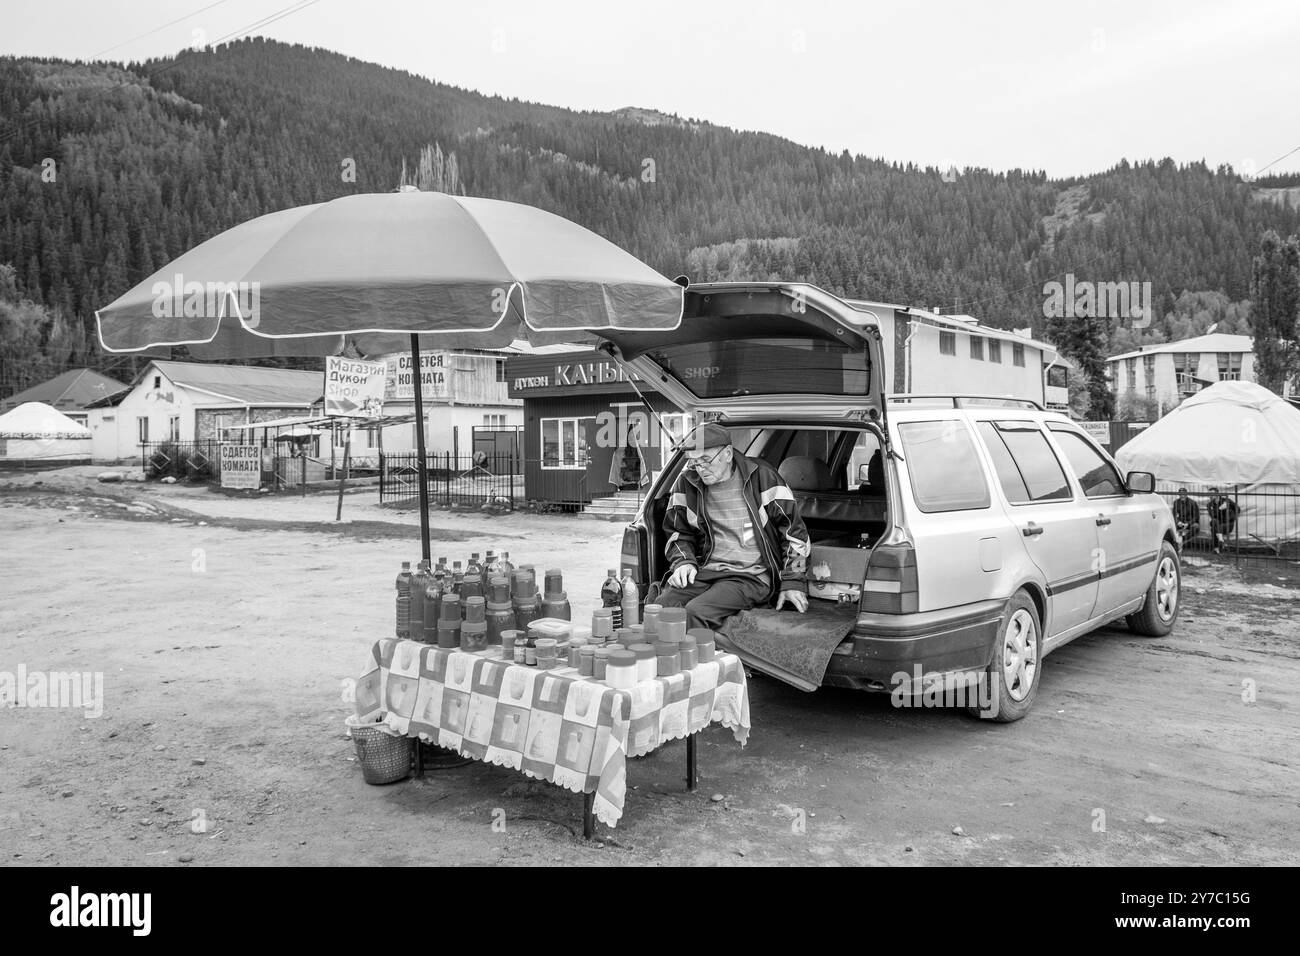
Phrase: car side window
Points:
(1039, 473)
(1097, 476)
(943, 467)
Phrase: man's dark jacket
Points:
(784, 541)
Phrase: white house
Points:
(194, 401)
(1171, 371)
(929, 353)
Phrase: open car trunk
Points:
(836, 474)
(798, 377)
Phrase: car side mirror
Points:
(863, 477)
(1141, 482)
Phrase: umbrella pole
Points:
(421, 469)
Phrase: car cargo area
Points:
(837, 476)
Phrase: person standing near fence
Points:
(1223, 518)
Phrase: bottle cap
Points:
(643, 652)
(622, 659)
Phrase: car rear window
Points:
(1038, 475)
(767, 366)
(942, 466)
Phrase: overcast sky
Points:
(1070, 88)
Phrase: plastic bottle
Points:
(602, 625)
(449, 622)
(611, 596)
(457, 577)
(419, 581)
(489, 565)
(555, 602)
(504, 568)
(473, 567)
(404, 601)
(473, 630)
(432, 602)
(631, 599)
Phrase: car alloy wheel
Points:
(1166, 589)
(1020, 654)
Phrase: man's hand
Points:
(798, 600)
(682, 576)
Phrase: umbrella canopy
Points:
(377, 272)
(475, 273)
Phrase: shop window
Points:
(564, 443)
(947, 343)
(677, 426)
(494, 421)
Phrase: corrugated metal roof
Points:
(74, 389)
(244, 383)
(1216, 342)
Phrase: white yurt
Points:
(35, 432)
(1230, 435)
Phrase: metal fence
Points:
(1255, 523)
(182, 460)
(466, 480)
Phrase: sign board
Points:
(354, 388)
(1097, 431)
(435, 371)
(241, 466)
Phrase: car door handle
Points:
(1102, 520)
(1032, 530)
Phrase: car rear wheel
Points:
(1013, 675)
(1158, 614)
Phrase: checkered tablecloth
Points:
(554, 725)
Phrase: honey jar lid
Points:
(622, 658)
(643, 652)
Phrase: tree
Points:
(1275, 290)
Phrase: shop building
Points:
(587, 432)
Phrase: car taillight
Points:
(890, 585)
(633, 555)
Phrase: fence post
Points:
(1236, 528)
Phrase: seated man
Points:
(1187, 515)
(735, 538)
(1223, 518)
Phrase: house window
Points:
(1132, 372)
(501, 370)
(947, 343)
(1149, 370)
(494, 421)
(995, 351)
(1229, 366)
(1185, 364)
(1018, 355)
(157, 381)
(564, 444)
(1151, 393)
(142, 430)
(977, 347)
(174, 428)
(222, 426)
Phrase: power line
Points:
(117, 46)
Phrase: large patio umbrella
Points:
(376, 272)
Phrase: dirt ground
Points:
(225, 629)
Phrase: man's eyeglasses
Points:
(701, 462)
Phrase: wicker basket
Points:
(384, 755)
